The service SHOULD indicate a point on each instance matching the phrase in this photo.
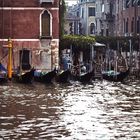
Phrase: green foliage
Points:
(79, 42)
(62, 11)
(83, 42)
(123, 41)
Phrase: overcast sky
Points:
(70, 2)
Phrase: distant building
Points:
(72, 21)
(33, 26)
(118, 18)
(87, 15)
(105, 17)
(127, 21)
(80, 18)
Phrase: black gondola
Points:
(63, 77)
(3, 77)
(115, 76)
(25, 76)
(87, 77)
(84, 78)
(44, 78)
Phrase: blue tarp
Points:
(2, 68)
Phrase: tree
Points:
(62, 11)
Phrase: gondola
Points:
(80, 73)
(117, 69)
(25, 76)
(115, 76)
(3, 74)
(45, 78)
(85, 77)
(64, 76)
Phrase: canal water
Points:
(100, 110)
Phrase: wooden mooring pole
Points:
(10, 59)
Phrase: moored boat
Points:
(25, 76)
(116, 68)
(85, 77)
(82, 74)
(44, 77)
(64, 76)
(115, 76)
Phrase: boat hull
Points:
(85, 78)
(3, 80)
(27, 77)
(63, 77)
(116, 78)
(45, 78)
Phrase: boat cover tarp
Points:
(2, 68)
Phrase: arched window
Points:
(45, 24)
(92, 28)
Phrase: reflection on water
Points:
(98, 111)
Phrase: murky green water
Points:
(98, 111)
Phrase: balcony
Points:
(46, 1)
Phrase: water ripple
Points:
(100, 110)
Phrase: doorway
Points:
(25, 59)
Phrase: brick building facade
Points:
(127, 17)
(33, 26)
(118, 18)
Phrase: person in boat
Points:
(75, 70)
(83, 69)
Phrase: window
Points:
(82, 12)
(133, 3)
(127, 26)
(132, 25)
(92, 28)
(127, 3)
(103, 8)
(91, 11)
(124, 29)
(45, 26)
(138, 2)
(107, 32)
(138, 25)
(102, 32)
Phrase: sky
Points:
(71, 2)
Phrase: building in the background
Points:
(72, 21)
(118, 18)
(33, 26)
(105, 17)
(87, 16)
(80, 18)
(127, 21)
